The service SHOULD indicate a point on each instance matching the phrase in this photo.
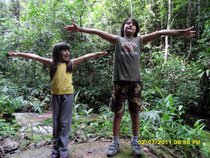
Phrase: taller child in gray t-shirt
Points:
(126, 75)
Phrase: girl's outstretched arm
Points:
(75, 28)
(42, 60)
(187, 33)
(81, 59)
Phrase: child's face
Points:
(65, 54)
(129, 28)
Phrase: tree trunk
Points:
(168, 27)
(199, 18)
(16, 9)
(80, 17)
(189, 15)
(131, 9)
(162, 20)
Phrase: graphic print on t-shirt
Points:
(129, 48)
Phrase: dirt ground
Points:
(84, 150)
(98, 149)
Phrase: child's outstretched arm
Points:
(42, 60)
(187, 33)
(75, 28)
(81, 59)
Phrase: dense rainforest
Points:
(174, 70)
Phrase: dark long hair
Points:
(123, 24)
(57, 58)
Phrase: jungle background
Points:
(175, 70)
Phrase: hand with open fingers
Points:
(73, 28)
(12, 54)
(104, 52)
(189, 32)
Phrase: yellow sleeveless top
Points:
(62, 81)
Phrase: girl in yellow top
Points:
(62, 92)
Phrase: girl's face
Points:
(129, 28)
(65, 54)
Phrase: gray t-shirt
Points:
(127, 59)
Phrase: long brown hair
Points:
(57, 58)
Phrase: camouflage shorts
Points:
(132, 91)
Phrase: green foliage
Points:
(41, 25)
(205, 144)
(87, 125)
(9, 100)
(165, 122)
(175, 77)
(203, 68)
(7, 129)
(8, 105)
(93, 80)
(169, 88)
